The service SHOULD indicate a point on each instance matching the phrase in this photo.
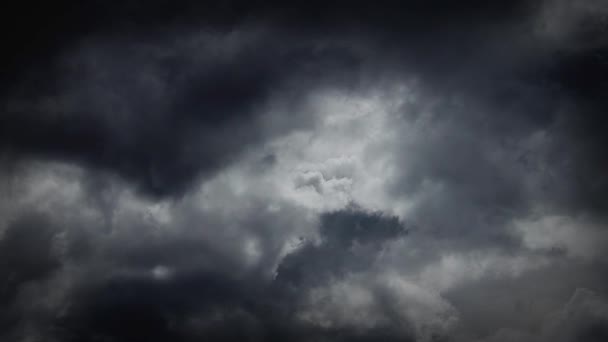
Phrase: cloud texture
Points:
(238, 171)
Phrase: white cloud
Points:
(456, 269)
(367, 301)
(577, 236)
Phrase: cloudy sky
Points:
(432, 171)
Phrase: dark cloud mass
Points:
(314, 171)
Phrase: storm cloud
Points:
(243, 171)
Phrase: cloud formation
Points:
(428, 171)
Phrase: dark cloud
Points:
(160, 114)
(27, 253)
(187, 171)
(163, 112)
(194, 302)
(523, 303)
(351, 239)
(28, 256)
(189, 308)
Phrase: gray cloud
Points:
(432, 171)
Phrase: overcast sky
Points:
(433, 171)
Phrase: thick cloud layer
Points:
(427, 171)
